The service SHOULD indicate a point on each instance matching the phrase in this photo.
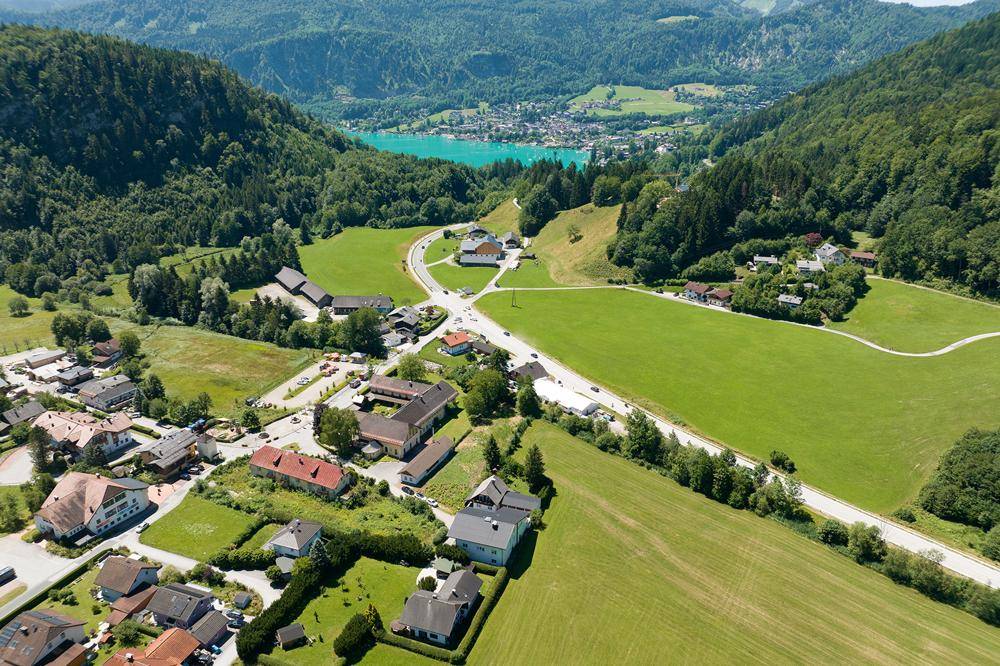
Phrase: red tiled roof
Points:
(697, 287)
(863, 255)
(455, 339)
(721, 294)
(315, 471)
(171, 648)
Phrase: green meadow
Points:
(633, 568)
(456, 277)
(640, 100)
(197, 528)
(364, 261)
(907, 318)
(862, 424)
(20, 333)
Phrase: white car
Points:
(433, 502)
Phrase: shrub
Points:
(865, 544)
(257, 636)
(905, 514)
(991, 545)
(127, 633)
(452, 552)
(966, 485)
(781, 460)
(428, 583)
(896, 565)
(415, 646)
(833, 533)
(355, 638)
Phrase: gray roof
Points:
(535, 370)
(379, 383)
(4, 383)
(209, 627)
(509, 236)
(484, 348)
(285, 564)
(788, 299)
(417, 411)
(437, 612)
(296, 534)
(429, 456)
(28, 411)
(171, 449)
(313, 292)
(382, 428)
(75, 373)
(477, 526)
(290, 279)
(379, 302)
(108, 388)
(176, 601)
(501, 495)
(291, 633)
(461, 586)
(478, 260)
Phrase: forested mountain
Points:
(906, 149)
(113, 154)
(349, 58)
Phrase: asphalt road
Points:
(894, 533)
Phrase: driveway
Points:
(388, 470)
(16, 468)
(309, 311)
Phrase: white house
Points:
(82, 503)
(489, 536)
(121, 576)
(809, 266)
(437, 616)
(570, 401)
(41, 636)
(790, 301)
(295, 539)
(75, 431)
(830, 254)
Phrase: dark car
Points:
(407, 490)
(595, 389)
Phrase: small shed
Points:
(242, 599)
(291, 636)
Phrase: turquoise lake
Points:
(474, 153)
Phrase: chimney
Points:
(496, 525)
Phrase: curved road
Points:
(898, 535)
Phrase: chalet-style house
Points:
(438, 616)
(720, 297)
(430, 458)
(533, 370)
(484, 251)
(763, 261)
(456, 344)
(107, 394)
(345, 305)
(41, 637)
(105, 354)
(696, 291)
(74, 375)
(73, 432)
(494, 494)
(510, 241)
(295, 539)
(830, 254)
(421, 406)
(405, 321)
(866, 259)
(89, 503)
(123, 576)
(176, 605)
(298, 471)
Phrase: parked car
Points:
(263, 435)
(7, 574)
(407, 490)
(534, 355)
(194, 471)
(143, 527)
(185, 476)
(507, 333)
(296, 419)
(433, 502)
(419, 496)
(234, 614)
(356, 383)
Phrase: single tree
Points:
(318, 555)
(491, 454)
(250, 420)
(38, 449)
(528, 403)
(18, 306)
(534, 468)
(10, 513)
(97, 330)
(411, 368)
(130, 344)
(338, 431)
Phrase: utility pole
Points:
(513, 297)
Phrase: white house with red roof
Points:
(298, 471)
(457, 343)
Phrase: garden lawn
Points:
(197, 528)
(230, 369)
(456, 277)
(15, 492)
(441, 248)
(361, 261)
(367, 582)
(20, 333)
(864, 425)
(633, 568)
(913, 319)
(83, 608)
(580, 262)
(451, 484)
(261, 537)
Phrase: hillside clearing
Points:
(647, 558)
(908, 318)
(864, 425)
(633, 99)
(362, 261)
(20, 333)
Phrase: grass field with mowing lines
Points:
(363, 262)
(367, 582)
(568, 262)
(456, 277)
(191, 360)
(867, 426)
(911, 319)
(197, 528)
(667, 576)
(641, 100)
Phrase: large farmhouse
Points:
(89, 503)
(421, 406)
(73, 432)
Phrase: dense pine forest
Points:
(391, 58)
(114, 154)
(906, 149)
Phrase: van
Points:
(7, 574)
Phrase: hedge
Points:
(355, 638)
(243, 559)
(389, 638)
(258, 636)
(151, 631)
(146, 430)
(485, 608)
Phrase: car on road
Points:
(595, 389)
(263, 435)
(7, 574)
(407, 490)
(420, 496)
(507, 333)
(296, 419)
(534, 355)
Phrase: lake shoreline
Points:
(467, 151)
